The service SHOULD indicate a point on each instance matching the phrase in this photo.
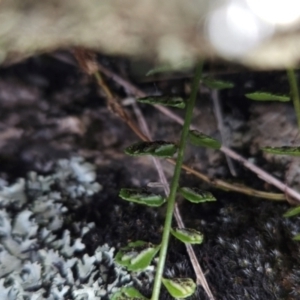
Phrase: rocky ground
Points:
(54, 122)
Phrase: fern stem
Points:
(294, 92)
(174, 183)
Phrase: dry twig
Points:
(194, 261)
(220, 122)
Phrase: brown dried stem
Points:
(194, 261)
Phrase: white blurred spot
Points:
(277, 12)
(233, 29)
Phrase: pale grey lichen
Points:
(38, 264)
(13, 194)
(77, 177)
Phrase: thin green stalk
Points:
(174, 183)
(294, 92)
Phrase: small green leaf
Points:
(285, 150)
(296, 237)
(292, 212)
(188, 235)
(157, 148)
(160, 69)
(136, 256)
(262, 96)
(142, 196)
(200, 139)
(169, 68)
(180, 287)
(217, 84)
(196, 195)
(128, 293)
(163, 100)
